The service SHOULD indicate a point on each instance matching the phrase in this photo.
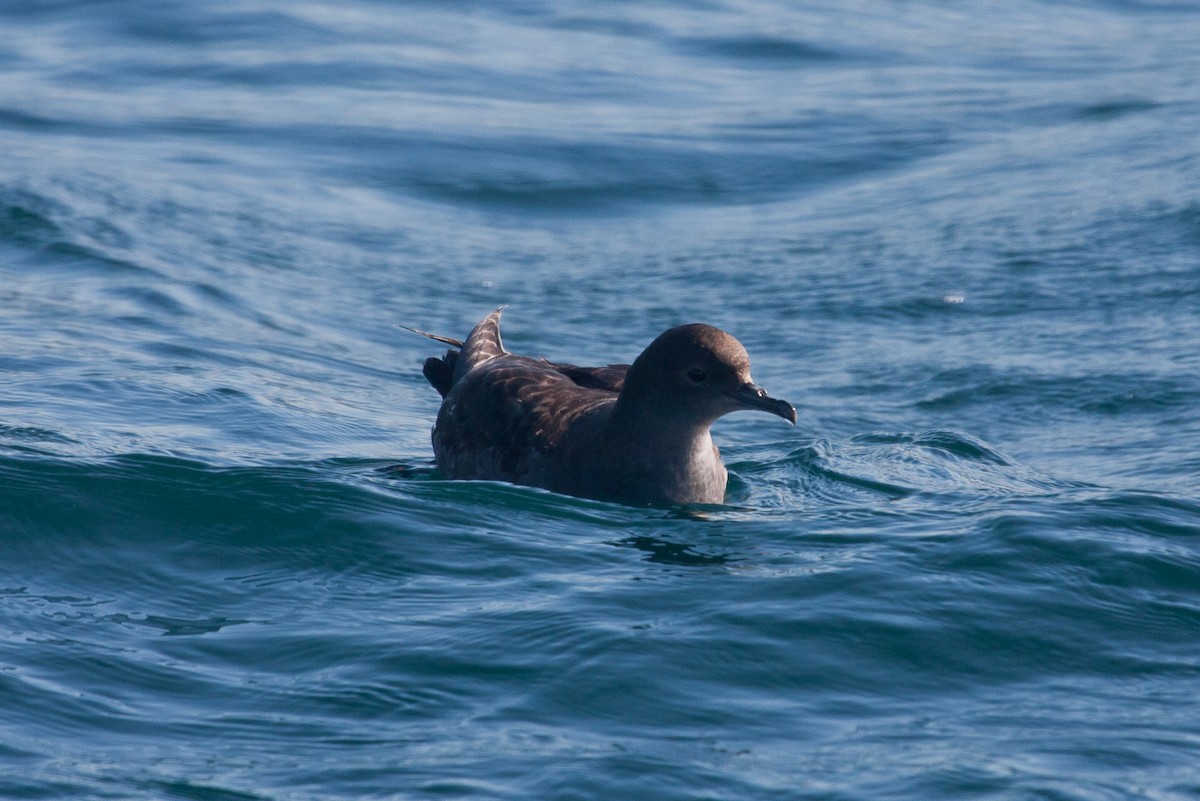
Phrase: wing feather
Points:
(506, 419)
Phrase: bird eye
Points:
(696, 375)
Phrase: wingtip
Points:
(451, 341)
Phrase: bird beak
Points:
(753, 396)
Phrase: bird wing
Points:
(506, 418)
(609, 378)
(484, 343)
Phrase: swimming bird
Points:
(633, 433)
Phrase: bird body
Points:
(635, 433)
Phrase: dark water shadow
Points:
(678, 554)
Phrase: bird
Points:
(637, 434)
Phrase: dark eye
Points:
(696, 375)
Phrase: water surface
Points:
(964, 241)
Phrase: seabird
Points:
(637, 434)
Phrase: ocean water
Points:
(964, 239)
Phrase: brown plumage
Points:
(632, 433)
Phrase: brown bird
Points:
(637, 434)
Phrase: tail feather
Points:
(482, 344)
(451, 341)
(440, 372)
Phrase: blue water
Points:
(964, 239)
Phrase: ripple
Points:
(964, 240)
(765, 51)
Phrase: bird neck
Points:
(651, 427)
(664, 458)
